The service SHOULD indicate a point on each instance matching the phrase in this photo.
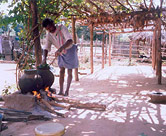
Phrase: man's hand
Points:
(45, 52)
(57, 53)
(44, 61)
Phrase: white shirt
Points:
(58, 38)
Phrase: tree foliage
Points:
(55, 9)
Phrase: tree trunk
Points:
(35, 32)
(75, 41)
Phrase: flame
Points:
(35, 93)
(49, 94)
(47, 89)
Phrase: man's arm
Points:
(45, 53)
(64, 46)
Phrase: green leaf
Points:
(78, 1)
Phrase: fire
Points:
(35, 93)
(49, 94)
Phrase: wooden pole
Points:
(130, 52)
(154, 50)
(103, 49)
(159, 60)
(95, 47)
(106, 44)
(75, 41)
(109, 49)
(148, 30)
(137, 44)
(91, 47)
(81, 49)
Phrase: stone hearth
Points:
(20, 101)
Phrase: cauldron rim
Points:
(30, 71)
(43, 67)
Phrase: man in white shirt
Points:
(60, 37)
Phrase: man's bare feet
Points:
(61, 93)
(66, 93)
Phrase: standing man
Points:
(59, 36)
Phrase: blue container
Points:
(1, 116)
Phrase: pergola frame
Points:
(138, 21)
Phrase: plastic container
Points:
(50, 129)
(1, 116)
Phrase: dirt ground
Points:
(124, 89)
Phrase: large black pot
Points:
(30, 81)
(47, 76)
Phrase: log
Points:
(37, 117)
(91, 106)
(15, 119)
(14, 114)
(81, 73)
(78, 104)
(53, 103)
(16, 111)
(24, 119)
(51, 108)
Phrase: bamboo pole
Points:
(103, 49)
(130, 52)
(95, 47)
(109, 49)
(156, 66)
(75, 41)
(159, 60)
(147, 30)
(106, 44)
(91, 47)
(154, 50)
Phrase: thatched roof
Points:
(147, 36)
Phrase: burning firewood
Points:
(73, 103)
(78, 104)
(52, 109)
(48, 105)
(53, 103)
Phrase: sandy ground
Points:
(123, 89)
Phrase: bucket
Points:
(50, 129)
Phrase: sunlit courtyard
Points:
(125, 91)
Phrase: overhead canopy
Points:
(117, 14)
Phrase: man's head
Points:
(49, 25)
